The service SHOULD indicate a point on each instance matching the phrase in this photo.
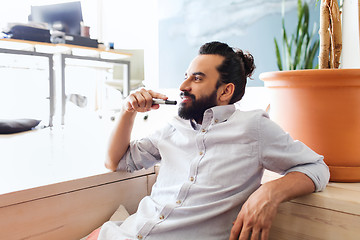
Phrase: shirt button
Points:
(216, 121)
(201, 153)
(161, 217)
(203, 130)
(139, 237)
(192, 179)
(178, 201)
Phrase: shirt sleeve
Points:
(142, 153)
(281, 154)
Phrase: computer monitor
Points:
(66, 17)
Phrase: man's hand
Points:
(258, 212)
(255, 216)
(139, 101)
(142, 101)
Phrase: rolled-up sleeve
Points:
(281, 154)
(142, 153)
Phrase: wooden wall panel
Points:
(70, 215)
(304, 222)
(68, 186)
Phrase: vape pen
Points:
(161, 101)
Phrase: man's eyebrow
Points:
(198, 73)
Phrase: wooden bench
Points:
(72, 209)
(333, 214)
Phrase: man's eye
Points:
(197, 78)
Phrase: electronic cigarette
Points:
(161, 101)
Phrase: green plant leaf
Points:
(312, 53)
(298, 51)
(304, 52)
(278, 55)
(299, 25)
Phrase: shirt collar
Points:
(218, 114)
(195, 125)
(215, 115)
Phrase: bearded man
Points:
(212, 158)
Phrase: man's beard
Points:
(198, 106)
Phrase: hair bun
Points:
(248, 60)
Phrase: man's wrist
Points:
(287, 187)
(275, 194)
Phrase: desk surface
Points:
(47, 156)
(61, 48)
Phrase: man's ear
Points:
(226, 92)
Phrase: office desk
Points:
(51, 75)
(66, 51)
(126, 64)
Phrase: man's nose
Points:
(185, 85)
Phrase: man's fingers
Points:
(146, 99)
(245, 233)
(158, 95)
(235, 230)
(265, 234)
(255, 234)
(132, 102)
(141, 100)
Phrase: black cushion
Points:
(8, 126)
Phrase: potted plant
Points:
(320, 107)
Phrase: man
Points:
(212, 159)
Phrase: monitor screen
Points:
(66, 17)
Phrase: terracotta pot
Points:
(322, 109)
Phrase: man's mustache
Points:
(187, 94)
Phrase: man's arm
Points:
(140, 101)
(258, 212)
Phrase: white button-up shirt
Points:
(207, 172)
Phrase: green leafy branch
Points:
(299, 51)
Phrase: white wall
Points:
(185, 25)
(133, 25)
